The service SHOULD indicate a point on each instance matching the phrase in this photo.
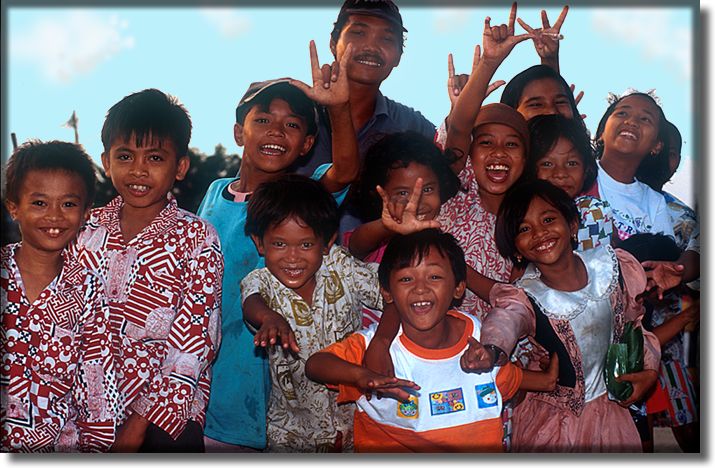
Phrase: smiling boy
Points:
(315, 288)
(162, 267)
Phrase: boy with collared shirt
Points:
(276, 123)
(58, 387)
(316, 291)
(375, 30)
(162, 267)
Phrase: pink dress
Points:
(577, 416)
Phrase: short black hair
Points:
(654, 170)
(404, 250)
(516, 203)
(395, 151)
(292, 196)
(544, 133)
(36, 155)
(515, 87)
(296, 99)
(646, 246)
(148, 114)
(676, 139)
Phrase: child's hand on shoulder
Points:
(330, 82)
(402, 218)
(477, 358)
(274, 329)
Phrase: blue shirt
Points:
(389, 117)
(236, 412)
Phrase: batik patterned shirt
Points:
(302, 415)
(164, 293)
(58, 386)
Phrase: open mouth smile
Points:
(273, 149)
(370, 61)
(497, 173)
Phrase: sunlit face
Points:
(632, 128)
(401, 181)
(563, 167)
(51, 208)
(544, 235)
(293, 254)
(423, 293)
(144, 174)
(498, 157)
(273, 138)
(376, 48)
(545, 96)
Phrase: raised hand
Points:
(330, 82)
(662, 275)
(577, 97)
(546, 39)
(455, 83)
(498, 41)
(401, 217)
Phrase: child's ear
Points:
(574, 230)
(657, 148)
(386, 296)
(105, 163)
(259, 243)
(238, 133)
(459, 289)
(327, 248)
(11, 208)
(307, 144)
(183, 167)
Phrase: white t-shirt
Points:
(637, 208)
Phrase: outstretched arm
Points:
(271, 326)
(498, 42)
(332, 90)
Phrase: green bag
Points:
(623, 358)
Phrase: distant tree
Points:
(188, 192)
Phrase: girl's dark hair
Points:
(145, 114)
(408, 249)
(647, 246)
(515, 205)
(515, 88)
(395, 151)
(299, 103)
(544, 133)
(292, 196)
(35, 155)
(654, 170)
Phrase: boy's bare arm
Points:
(271, 326)
(330, 88)
(131, 434)
(377, 355)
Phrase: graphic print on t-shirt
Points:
(446, 401)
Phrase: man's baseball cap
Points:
(385, 9)
(282, 87)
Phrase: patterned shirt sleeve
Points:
(192, 343)
(95, 393)
(595, 222)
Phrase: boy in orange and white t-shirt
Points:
(450, 410)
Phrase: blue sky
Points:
(86, 59)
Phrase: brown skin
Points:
(130, 435)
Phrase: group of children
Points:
(451, 292)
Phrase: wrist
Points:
(499, 357)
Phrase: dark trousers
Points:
(158, 440)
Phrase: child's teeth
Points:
(139, 188)
(275, 148)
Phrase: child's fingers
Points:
(512, 16)
(314, 63)
(494, 86)
(562, 16)
(326, 72)
(476, 58)
(545, 20)
(415, 196)
(450, 67)
(487, 26)
(302, 86)
(525, 26)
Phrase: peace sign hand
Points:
(546, 39)
(498, 41)
(330, 82)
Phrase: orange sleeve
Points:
(352, 350)
(508, 380)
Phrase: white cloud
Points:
(229, 23)
(71, 44)
(650, 30)
(448, 20)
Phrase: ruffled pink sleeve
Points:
(510, 319)
(634, 280)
